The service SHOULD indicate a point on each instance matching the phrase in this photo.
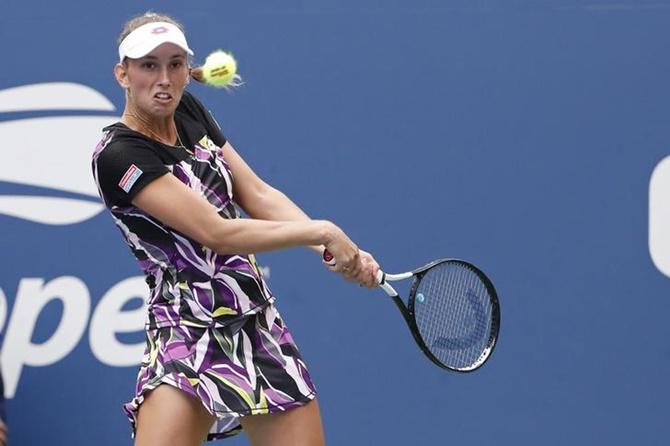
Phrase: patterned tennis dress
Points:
(211, 328)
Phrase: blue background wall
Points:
(518, 134)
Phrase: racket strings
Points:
(452, 309)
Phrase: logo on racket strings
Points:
(477, 332)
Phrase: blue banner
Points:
(529, 137)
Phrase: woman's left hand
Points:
(370, 267)
(365, 274)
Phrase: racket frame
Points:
(407, 310)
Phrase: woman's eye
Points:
(148, 65)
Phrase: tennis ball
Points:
(219, 69)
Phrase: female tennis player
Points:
(219, 357)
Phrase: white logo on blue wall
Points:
(48, 133)
(104, 321)
(51, 155)
(659, 216)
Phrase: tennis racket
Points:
(452, 311)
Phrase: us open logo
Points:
(659, 216)
(50, 174)
(49, 131)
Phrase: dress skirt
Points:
(249, 367)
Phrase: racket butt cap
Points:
(328, 258)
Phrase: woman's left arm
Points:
(257, 198)
(262, 201)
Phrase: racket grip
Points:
(328, 258)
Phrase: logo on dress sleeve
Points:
(130, 177)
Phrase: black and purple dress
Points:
(212, 330)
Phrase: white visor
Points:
(147, 37)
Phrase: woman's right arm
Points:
(176, 205)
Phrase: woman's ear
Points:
(121, 75)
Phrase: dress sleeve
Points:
(125, 168)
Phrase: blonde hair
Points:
(148, 17)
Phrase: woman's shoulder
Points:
(192, 110)
(122, 143)
(121, 138)
(199, 119)
(189, 103)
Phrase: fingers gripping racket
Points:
(452, 311)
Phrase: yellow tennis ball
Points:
(219, 69)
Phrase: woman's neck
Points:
(162, 130)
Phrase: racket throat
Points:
(404, 311)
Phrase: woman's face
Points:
(156, 81)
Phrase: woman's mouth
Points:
(163, 97)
